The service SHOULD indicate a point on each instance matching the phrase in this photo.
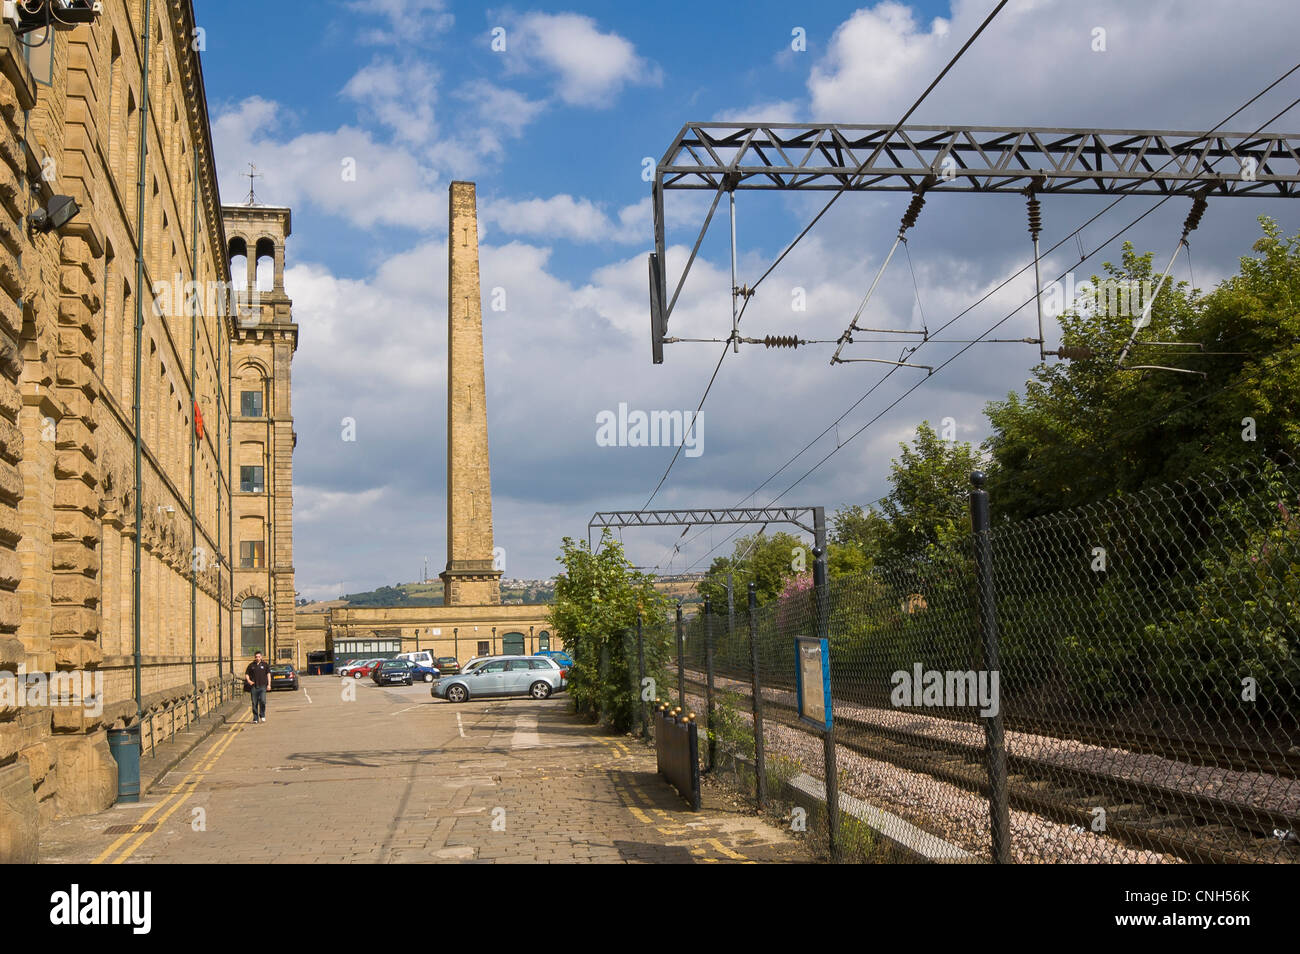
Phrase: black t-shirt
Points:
(260, 673)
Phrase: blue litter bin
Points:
(125, 746)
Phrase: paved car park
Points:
(345, 771)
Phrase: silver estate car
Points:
(534, 676)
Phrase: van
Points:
(421, 657)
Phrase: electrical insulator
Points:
(1076, 352)
(913, 210)
(1035, 217)
(1194, 216)
(781, 341)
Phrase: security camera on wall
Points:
(25, 16)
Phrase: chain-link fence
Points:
(1148, 685)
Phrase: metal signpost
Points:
(812, 666)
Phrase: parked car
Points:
(559, 655)
(420, 657)
(350, 668)
(421, 673)
(367, 667)
(393, 671)
(283, 676)
(448, 665)
(535, 676)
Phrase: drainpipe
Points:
(139, 336)
(216, 446)
(230, 485)
(194, 435)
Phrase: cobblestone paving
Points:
(392, 776)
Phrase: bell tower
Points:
(264, 338)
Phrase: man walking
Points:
(258, 677)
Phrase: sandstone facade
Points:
(126, 299)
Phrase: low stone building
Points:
(459, 631)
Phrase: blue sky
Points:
(553, 129)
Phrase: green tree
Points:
(929, 499)
(1086, 429)
(767, 560)
(597, 599)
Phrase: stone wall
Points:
(69, 372)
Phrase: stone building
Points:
(262, 435)
(459, 631)
(116, 449)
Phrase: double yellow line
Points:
(173, 800)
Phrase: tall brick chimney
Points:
(469, 579)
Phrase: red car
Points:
(367, 667)
(359, 668)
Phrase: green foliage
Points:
(391, 596)
(928, 502)
(732, 731)
(1085, 431)
(767, 560)
(597, 599)
(1246, 624)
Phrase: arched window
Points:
(265, 265)
(543, 641)
(238, 263)
(253, 625)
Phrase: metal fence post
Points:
(708, 685)
(681, 660)
(822, 601)
(999, 815)
(756, 689)
(640, 682)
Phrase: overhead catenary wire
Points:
(735, 324)
(866, 163)
(1075, 234)
(909, 219)
(840, 444)
(1189, 225)
(1011, 314)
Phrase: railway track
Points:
(1146, 815)
(1240, 756)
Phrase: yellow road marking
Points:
(191, 778)
(733, 855)
(639, 815)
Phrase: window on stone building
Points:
(253, 625)
(265, 265)
(250, 403)
(251, 480)
(484, 647)
(252, 554)
(543, 641)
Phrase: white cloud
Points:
(564, 217)
(497, 106)
(400, 96)
(405, 20)
(346, 172)
(591, 67)
(1035, 64)
(773, 111)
